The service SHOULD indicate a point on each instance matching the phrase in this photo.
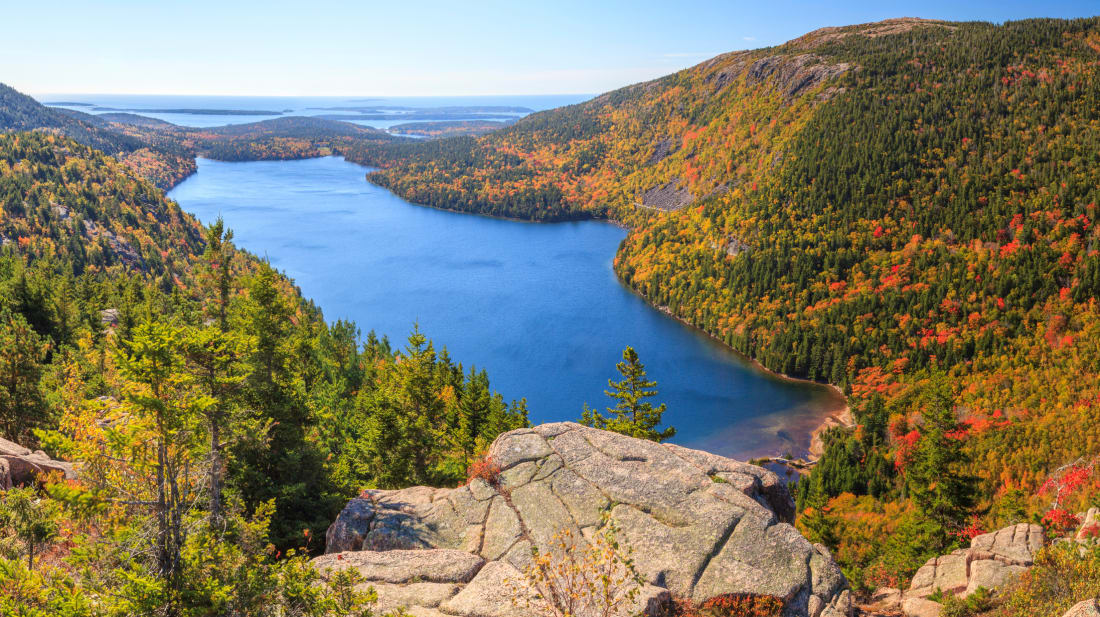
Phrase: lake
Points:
(536, 305)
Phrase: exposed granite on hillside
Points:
(700, 526)
(886, 27)
(794, 75)
(669, 196)
(21, 466)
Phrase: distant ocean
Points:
(155, 106)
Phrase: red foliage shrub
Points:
(972, 530)
(485, 468)
(741, 605)
(1090, 532)
(907, 444)
(1059, 522)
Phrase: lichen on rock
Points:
(699, 525)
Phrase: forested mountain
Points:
(164, 153)
(885, 207)
(153, 352)
(904, 209)
(19, 112)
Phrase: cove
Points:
(536, 305)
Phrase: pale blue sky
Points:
(406, 47)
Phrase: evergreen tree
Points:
(218, 257)
(632, 415)
(287, 466)
(163, 418)
(938, 482)
(215, 359)
(21, 403)
(814, 520)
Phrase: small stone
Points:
(886, 598)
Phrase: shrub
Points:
(975, 604)
(742, 605)
(729, 605)
(1059, 522)
(484, 468)
(579, 578)
(1063, 575)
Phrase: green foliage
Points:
(28, 518)
(234, 571)
(976, 603)
(27, 592)
(632, 414)
(423, 422)
(814, 521)
(937, 477)
(1063, 575)
(915, 542)
(22, 404)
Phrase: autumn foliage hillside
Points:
(64, 201)
(164, 153)
(871, 206)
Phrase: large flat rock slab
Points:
(699, 526)
(431, 565)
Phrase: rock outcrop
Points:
(699, 525)
(793, 75)
(20, 466)
(993, 560)
(1087, 608)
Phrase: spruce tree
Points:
(938, 483)
(632, 415)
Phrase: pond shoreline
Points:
(838, 414)
(725, 401)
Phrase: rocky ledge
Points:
(700, 526)
(20, 466)
(992, 562)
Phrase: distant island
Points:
(426, 116)
(451, 109)
(196, 112)
(449, 128)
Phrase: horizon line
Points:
(362, 96)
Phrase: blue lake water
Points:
(536, 305)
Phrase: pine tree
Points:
(632, 414)
(938, 484)
(815, 521)
(22, 407)
(215, 359)
(284, 465)
(163, 419)
(218, 256)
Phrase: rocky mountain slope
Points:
(700, 526)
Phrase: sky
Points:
(415, 47)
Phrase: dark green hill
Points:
(19, 112)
